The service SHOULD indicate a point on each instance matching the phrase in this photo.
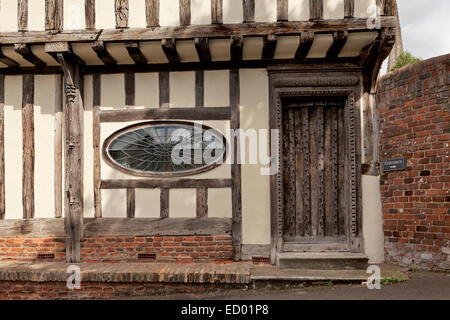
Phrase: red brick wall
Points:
(123, 249)
(415, 123)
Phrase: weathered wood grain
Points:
(6, 60)
(25, 51)
(236, 166)
(22, 15)
(28, 146)
(199, 88)
(315, 9)
(130, 90)
(306, 41)
(54, 14)
(170, 50)
(185, 12)
(269, 47)
(349, 8)
(282, 10)
(97, 144)
(121, 10)
(216, 11)
(339, 40)
(164, 203)
(58, 146)
(103, 54)
(131, 203)
(299, 174)
(249, 10)
(89, 12)
(135, 53)
(166, 183)
(202, 47)
(202, 202)
(164, 90)
(236, 48)
(2, 148)
(152, 13)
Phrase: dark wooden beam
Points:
(135, 52)
(282, 10)
(103, 54)
(25, 51)
(202, 47)
(339, 40)
(349, 8)
(131, 202)
(315, 9)
(58, 145)
(199, 88)
(164, 203)
(28, 146)
(236, 48)
(54, 14)
(22, 15)
(130, 90)
(216, 11)
(121, 10)
(96, 84)
(73, 156)
(2, 148)
(306, 42)
(7, 60)
(202, 202)
(152, 13)
(269, 47)
(185, 12)
(89, 13)
(195, 31)
(249, 10)
(236, 167)
(165, 183)
(164, 89)
(170, 50)
(212, 113)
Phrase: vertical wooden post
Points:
(199, 88)
(216, 11)
(73, 156)
(164, 89)
(28, 146)
(2, 147)
(249, 10)
(121, 8)
(130, 89)
(22, 15)
(58, 145)
(152, 13)
(185, 12)
(202, 202)
(282, 10)
(131, 202)
(89, 11)
(164, 203)
(96, 144)
(349, 8)
(315, 9)
(54, 14)
(236, 167)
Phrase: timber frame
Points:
(320, 81)
(359, 76)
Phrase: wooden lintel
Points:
(103, 54)
(236, 48)
(25, 51)
(269, 47)
(306, 42)
(55, 47)
(170, 50)
(166, 183)
(202, 47)
(194, 31)
(339, 40)
(135, 52)
(213, 113)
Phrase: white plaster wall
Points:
(74, 14)
(298, 10)
(169, 14)
(44, 137)
(13, 147)
(372, 219)
(333, 9)
(217, 84)
(255, 187)
(200, 12)
(8, 15)
(137, 18)
(365, 8)
(147, 203)
(147, 90)
(182, 203)
(105, 17)
(265, 10)
(36, 15)
(182, 89)
(233, 11)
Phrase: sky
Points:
(425, 27)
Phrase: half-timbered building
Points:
(90, 92)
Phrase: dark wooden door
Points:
(314, 165)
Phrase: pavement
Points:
(421, 286)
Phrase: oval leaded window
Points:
(165, 149)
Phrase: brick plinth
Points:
(415, 124)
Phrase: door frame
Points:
(318, 83)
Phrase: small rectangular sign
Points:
(397, 164)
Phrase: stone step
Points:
(322, 261)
